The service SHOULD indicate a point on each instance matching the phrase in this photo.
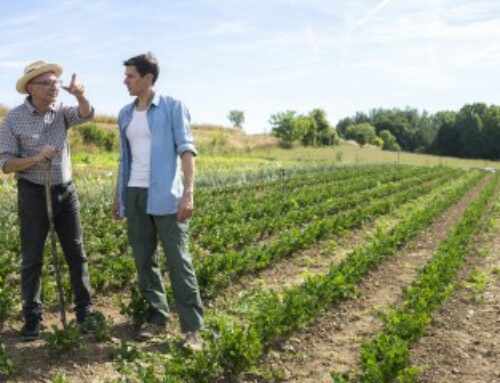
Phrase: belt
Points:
(32, 185)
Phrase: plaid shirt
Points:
(25, 132)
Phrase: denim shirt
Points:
(171, 136)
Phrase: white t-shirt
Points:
(139, 138)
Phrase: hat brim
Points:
(27, 77)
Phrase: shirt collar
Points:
(27, 103)
(155, 101)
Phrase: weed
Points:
(7, 366)
(137, 309)
(66, 340)
(477, 284)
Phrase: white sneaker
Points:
(193, 341)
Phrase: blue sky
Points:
(265, 57)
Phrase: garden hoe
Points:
(53, 244)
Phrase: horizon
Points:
(265, 57)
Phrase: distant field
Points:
(346, 153)
(222, 148)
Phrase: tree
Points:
(447, 140)
(286, 127)
(343, 124)
(325, 133)
(491, 133)
(426, 132)
(396, 122)
(470, 125)
(237, 117)
(307, 125)
(389, 141)
(363, 133)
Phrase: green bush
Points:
(101, 137)
(64, 341)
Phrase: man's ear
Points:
(150, 77)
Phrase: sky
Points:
(264, 56)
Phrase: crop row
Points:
(251, 221)
(219, 269)
(385, 357)
(238, 338)
(301, 228)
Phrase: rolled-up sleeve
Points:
(182, 129)
(9, 146)
(72, 115)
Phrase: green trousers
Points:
(144, 230)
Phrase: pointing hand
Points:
(75, 87)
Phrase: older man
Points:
(33, 134)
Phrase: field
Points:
(324, 265)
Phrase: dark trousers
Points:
(34, 227)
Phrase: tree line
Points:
(471, 132)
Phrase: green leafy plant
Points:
(7, 366)
(99, 325)
(477, 284)
(59, 378)
(63, 341)
(127, 352)
(7, 302)
(136, 309)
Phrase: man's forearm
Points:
(20, 164)
(84, 107)
(188, 169)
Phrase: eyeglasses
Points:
(48, 83)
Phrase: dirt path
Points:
(292, 271)
(462, 345)
(333, 341)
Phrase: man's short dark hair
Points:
(145, 63)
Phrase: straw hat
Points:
(36, 69)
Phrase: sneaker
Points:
(30, 330)
(193, 341)
(150, 330)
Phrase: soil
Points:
(334, 340)
(462, 345)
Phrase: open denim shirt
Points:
(171, 136)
